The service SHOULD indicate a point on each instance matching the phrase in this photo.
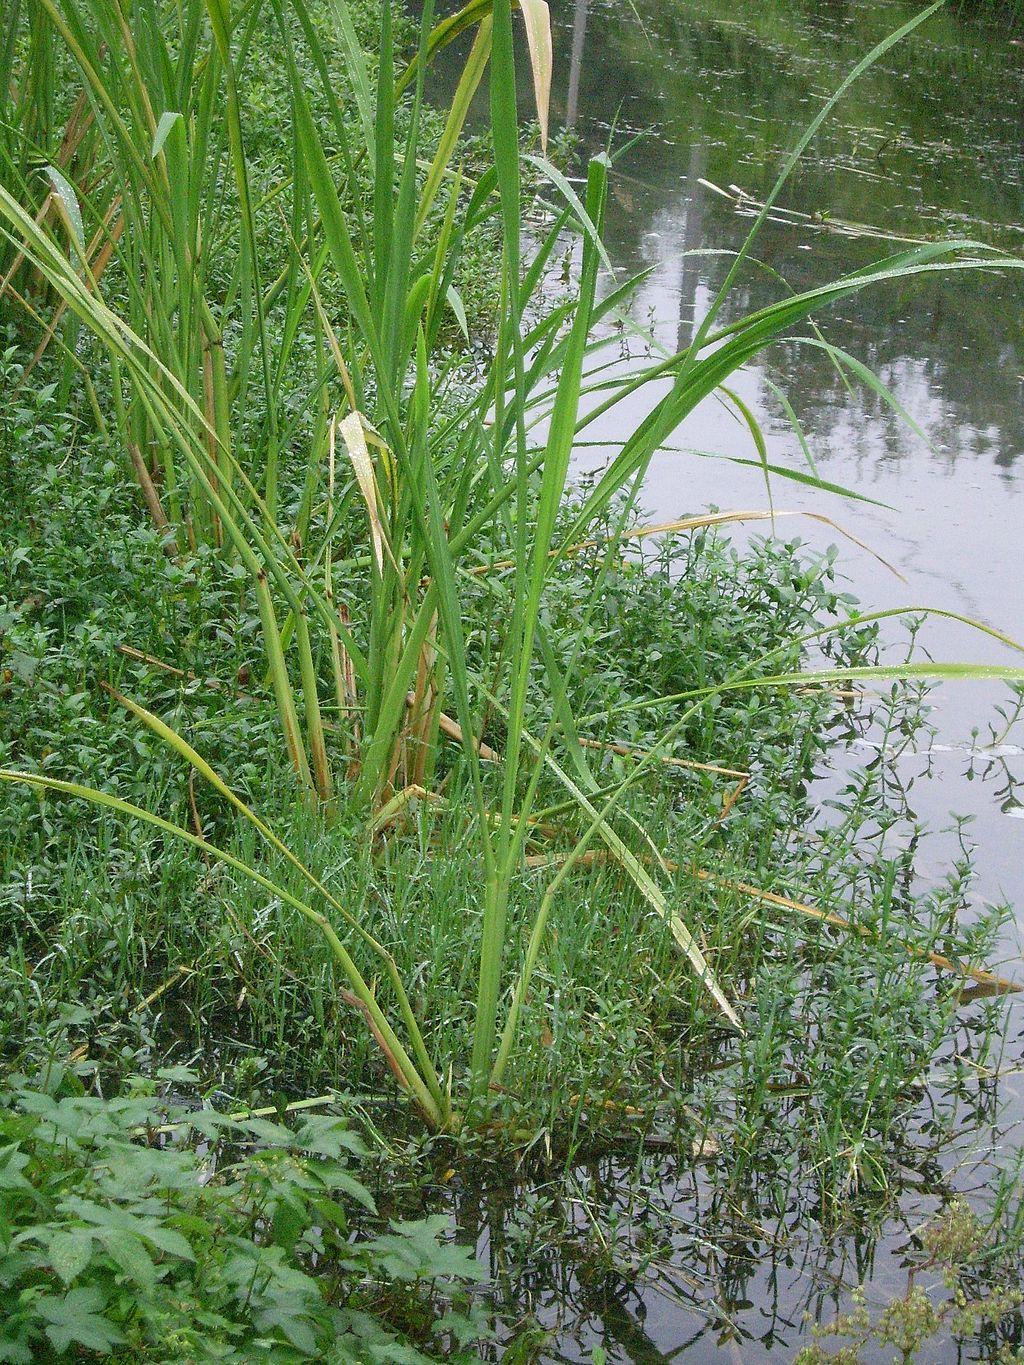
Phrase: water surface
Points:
(929, 143)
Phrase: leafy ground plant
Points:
(121, 1239)
(108, 957)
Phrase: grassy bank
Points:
(128, 954)
(350, 749)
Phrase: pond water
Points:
(655, 1261)
(929, 143)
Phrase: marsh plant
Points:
(951, 1250)
(138, 230)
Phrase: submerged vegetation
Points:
(350, 746)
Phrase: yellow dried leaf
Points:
(354, 436)
(538, 40)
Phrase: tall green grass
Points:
(369, 654)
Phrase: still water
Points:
(929, 143)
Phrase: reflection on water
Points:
(929, 143)
(656, 1253)
(660, 1261)
(579, 33)
(726, 103)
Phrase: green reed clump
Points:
(369, 648)
(127, 949)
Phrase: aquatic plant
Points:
(955, 1247)
(453, 472)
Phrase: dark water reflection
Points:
(928, 145)
(660, 1258)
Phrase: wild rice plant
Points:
(381, 637)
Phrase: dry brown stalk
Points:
(151, 496)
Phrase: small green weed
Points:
(914, 1325)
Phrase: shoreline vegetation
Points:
(380, 803)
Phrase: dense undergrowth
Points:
(122, 1239)
(593, 894)
(127, 954)
(87, 582)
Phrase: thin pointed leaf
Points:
(69, 202)
(163, 129)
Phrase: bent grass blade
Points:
(398, 1058)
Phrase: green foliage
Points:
(446, 474)
(364, 537)
(120, 1240)
(81, 579)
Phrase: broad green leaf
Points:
(124, 1221)
(77, 1318)
(419, 1251)
(128, 1251)
(69, 1253)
